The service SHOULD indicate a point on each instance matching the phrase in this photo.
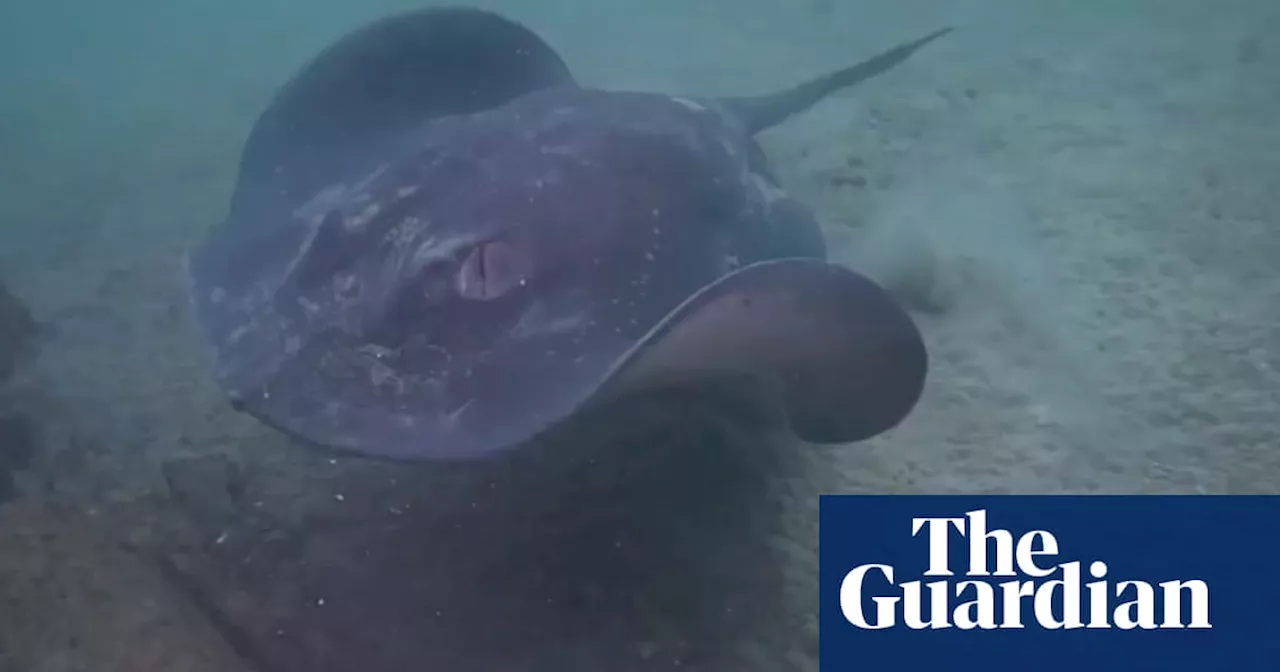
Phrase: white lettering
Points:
(1057, 603)
(980, 612)
(1013, 592)
(913, 607)
(1070, 585)
(938, 564)
(1027, 552)
(851, 599)
(1173, 604)
(978, 538)
(1138, 613)
(1098, 596)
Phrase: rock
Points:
(17, 441)
(17, 447)
(18, 331)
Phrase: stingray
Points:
(441, 246)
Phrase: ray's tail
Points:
(761, 112)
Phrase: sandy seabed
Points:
(1079, 196)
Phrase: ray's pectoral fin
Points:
(844, 359)
(401, 71)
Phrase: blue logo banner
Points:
(1047, 583)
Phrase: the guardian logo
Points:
(1051, 594)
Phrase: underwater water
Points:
(1076, 201)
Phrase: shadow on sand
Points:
(650, 553)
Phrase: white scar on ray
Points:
(453, 416)
(333, 195)
(539, 319)
(771, 193)
(689, 104)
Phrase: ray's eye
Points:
(493, 269)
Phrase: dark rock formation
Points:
(17, 447)
(18, 331)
